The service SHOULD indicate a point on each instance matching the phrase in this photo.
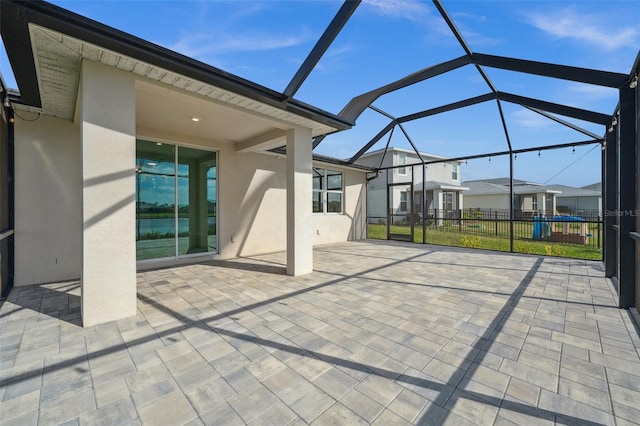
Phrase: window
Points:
(327, 191)
(454, 171)
(534, 203)
(449, 201)
(403, 201)
(402, 160)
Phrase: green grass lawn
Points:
(452, 235)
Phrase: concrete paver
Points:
(380, 333)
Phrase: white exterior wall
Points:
(251, 201)
(48, 202)
(252, 216)
(495, 201)
(351, 225)
(580, 203)
(441, 172)
(107, 132)
(54, 219)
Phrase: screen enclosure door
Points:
(400, 214)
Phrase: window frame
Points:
(324, 190)
(402, 161)
(404, 202)
(454, 171)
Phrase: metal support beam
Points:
(372, 142)
(567, 111)
(499, 153)
(511, 215)
(449, 107)
(508, 139)
(358, 104)
(463, 43)
(386, 147)
(609, 189)
(564, 123)
(563, 72)
(330, 33)
(627, 197)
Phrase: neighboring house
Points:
(594, 186)
(529, 198)
(392, 187)
(128, 155)
(579, 201)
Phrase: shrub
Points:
(525, 248)
(471, 242)
(555, 250)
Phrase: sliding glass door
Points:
(176, 192)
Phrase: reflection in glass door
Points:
(175, 200)
(196, 201)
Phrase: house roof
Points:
(570, 191)
(594, 186)
(447, 186)
(407, 151)
(505, 181)
(46, 44)
(482, 187)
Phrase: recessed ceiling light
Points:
(196, 119)
(159, 143)
(152, 164)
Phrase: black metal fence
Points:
(464, 227)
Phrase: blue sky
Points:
(266, 41)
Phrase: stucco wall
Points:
(580, 203)
(252, 200)
(48, 208)
(497, 201)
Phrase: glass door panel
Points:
(155, 200)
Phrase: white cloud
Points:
(529, 119)
(590, 92)
(411, 10)
(589, 28)
(407, 9)
(204, 44)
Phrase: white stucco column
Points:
(542, 203)
(107, 131)
(299, 202)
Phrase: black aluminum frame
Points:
(621, 188)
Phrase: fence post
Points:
(495, 221)
(599, 220)
(459, 220)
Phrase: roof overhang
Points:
(46, 46)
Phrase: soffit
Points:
(58, 60)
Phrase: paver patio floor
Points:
(381, 333)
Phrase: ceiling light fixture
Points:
(152, 164)
(195, 119)
(634, 82)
